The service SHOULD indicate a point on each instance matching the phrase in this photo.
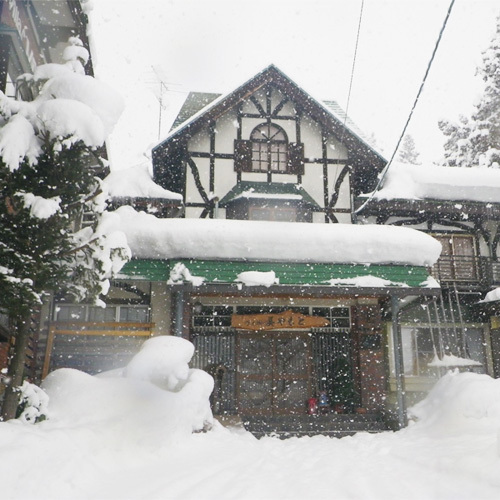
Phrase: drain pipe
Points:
(398, 364)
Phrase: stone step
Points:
(309, 425)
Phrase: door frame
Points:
(274, 335)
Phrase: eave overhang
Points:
(306, 279)
(460, 210)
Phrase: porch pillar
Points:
(398, 364)
(179, 314)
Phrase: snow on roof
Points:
(219, 239)
(136, 182)
(416, 182)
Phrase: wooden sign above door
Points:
(283, 321)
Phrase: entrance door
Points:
(274, 372)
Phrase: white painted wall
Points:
(225, 178)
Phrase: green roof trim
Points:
(269, 189)
(289, 273)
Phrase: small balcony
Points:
(467, 270)
(458, 269)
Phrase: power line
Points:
(352, 69)
(384, 172)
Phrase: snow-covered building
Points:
(286, 300)
(33, 33)
(460, 207)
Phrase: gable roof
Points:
(319, 111)
(195, 101)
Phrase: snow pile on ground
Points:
(156, 399)
(95, 447)
(461, 403)
(137, 182)
(416, 182)
(153, 238)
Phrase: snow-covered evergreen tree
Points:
(408, 152)
(47, 181)
(475, 142)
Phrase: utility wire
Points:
(384, 172)
(352, 70)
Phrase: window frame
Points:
(265, 149)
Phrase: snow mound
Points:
(155, 400)
(460, 403)
(163, 361)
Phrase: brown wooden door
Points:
(274, 372)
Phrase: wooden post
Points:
(398, 364)
(16, 367)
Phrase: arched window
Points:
(269, 148)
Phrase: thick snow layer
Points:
(50, 70)
(415, 182)
(73, 121)
(98, 96)
(137, 182)
(152, 238)
(451, 452)
(18, 140)
(41, 208)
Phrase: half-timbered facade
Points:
(267, 151)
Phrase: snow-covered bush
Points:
(33, 403)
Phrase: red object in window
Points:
(312, 406)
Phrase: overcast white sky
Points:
(215, 45)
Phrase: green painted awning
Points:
(278, 189)
(289, 273)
